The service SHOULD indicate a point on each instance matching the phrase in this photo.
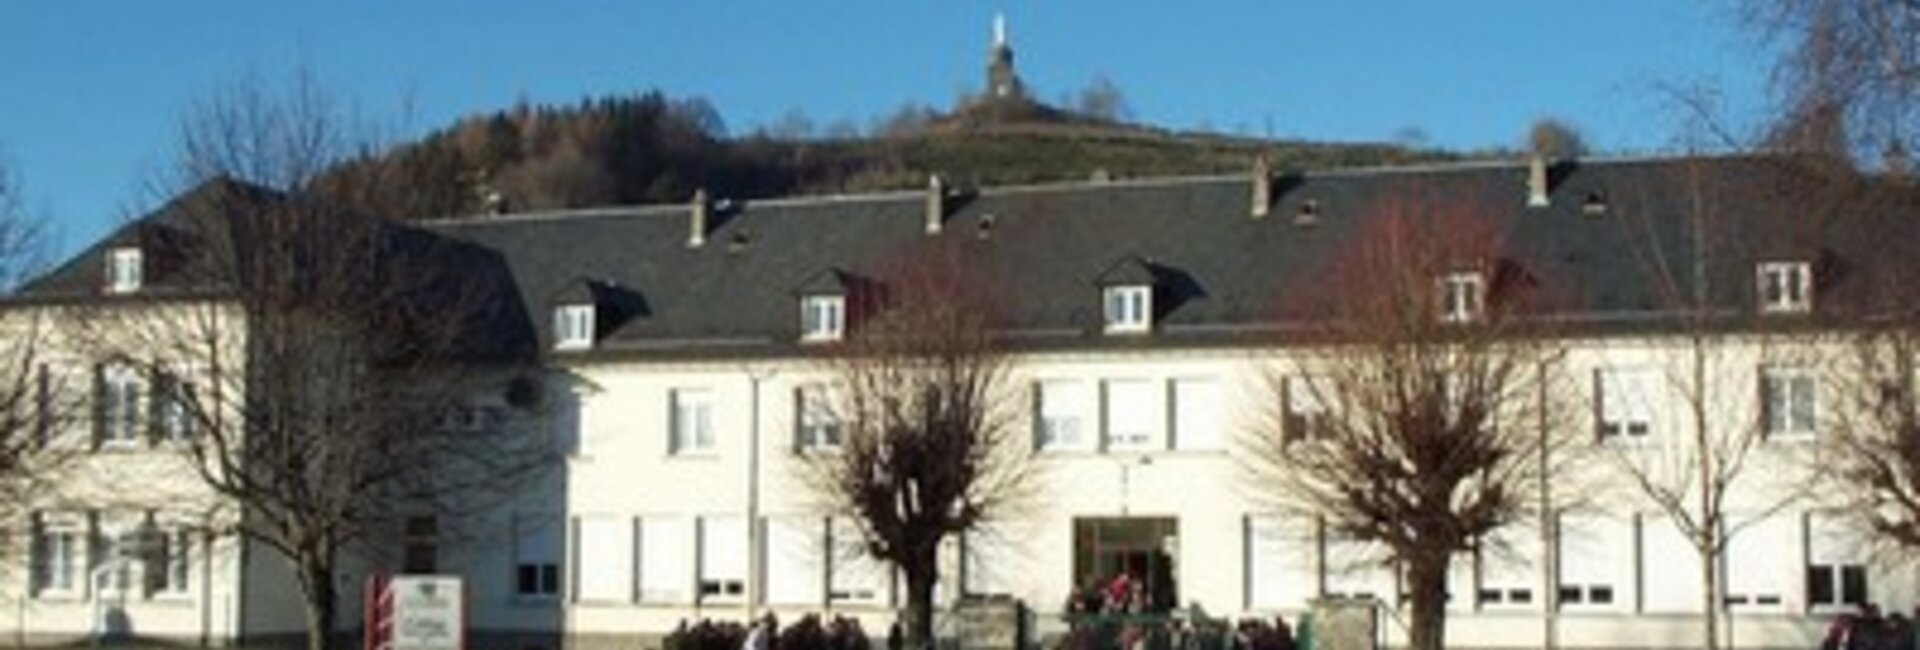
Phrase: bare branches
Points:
(920, 390)
(1422, 422)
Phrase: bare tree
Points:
(1417, 415)
(34, 405)
(1705, 476)
(306, 358)
(920, 389)
(1849, 73)
(1102, 99)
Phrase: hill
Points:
(651, 148)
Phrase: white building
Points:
(683, 343)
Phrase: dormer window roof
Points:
(823, 317)
(1463, 297)
(823, 304)
(1785, 287)
(573, 326)
(1126, 297)
(124, 270)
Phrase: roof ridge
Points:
(1439, 167)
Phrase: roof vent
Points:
(1262, 186)
(984, 229)
(1595, 205)
(1308, 214)
(740, 240)
(936, 203)
(1537, 181)
(698, 210)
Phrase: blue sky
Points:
(91, 91)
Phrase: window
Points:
(1461, 297)
(1059, 414)
(1670, 578)
(172, 408)
(822, 318)
(1128, 308)
(1625, 403)
(573, 327)
(536, 557)
(854, 576)
(1357, 569)
(816, 427)
(604, 546)
(796, 560)
(1759, 561)
(56, 548)
(989, 563)
(1304, 415)
(1836, 563)
(123, 270)
(1788, 406)
(1785, 287)
(692, 425)
(1196, 414)
(117, 406)
(420, 545)
(171, 573)
(1127, 413)
(723, 559)
(1280, 562)
(1595, 562)
(666, 560)
(1507, 577)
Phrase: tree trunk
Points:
(1710, 594)
(316, 582)
(917, 619)
(1427, 585)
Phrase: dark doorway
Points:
(1129, 551)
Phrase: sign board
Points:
(429, 613)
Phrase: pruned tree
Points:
(1417, 412)
(306, 358)
(920, 389)
(33, 404)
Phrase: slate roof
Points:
(1221, 275)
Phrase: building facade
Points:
(1151, 341)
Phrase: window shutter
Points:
(100, 423)
(43, 406)
(41, 564)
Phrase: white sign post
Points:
(429, 613)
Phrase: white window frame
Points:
(1799, 416)
(573, 327)
(718, 534)
(1050, 420)
(173, 405)
(124, 270)
(1784, 287)
(1626, 403)
(1463, 297)
(172, 576)
(122, 410)
(55, 568)
(690, 427)
(1837, 549)
(1304, 412)
(1128, 309)
(1137, 434)
(816, 427)
(1199, 413)
(823, 318)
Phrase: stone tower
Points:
(1002, 83)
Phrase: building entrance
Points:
(1125, 564)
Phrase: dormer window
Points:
(1129, 308)
(1785, 287)
(1462, 297)
(823, 318)
(123, 270)
(573, 327)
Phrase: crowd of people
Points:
(1868, 630)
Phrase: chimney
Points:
(697, 223)
(1537, 181)
(936, 203)
(1262, 186)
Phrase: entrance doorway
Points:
(1136, 553)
